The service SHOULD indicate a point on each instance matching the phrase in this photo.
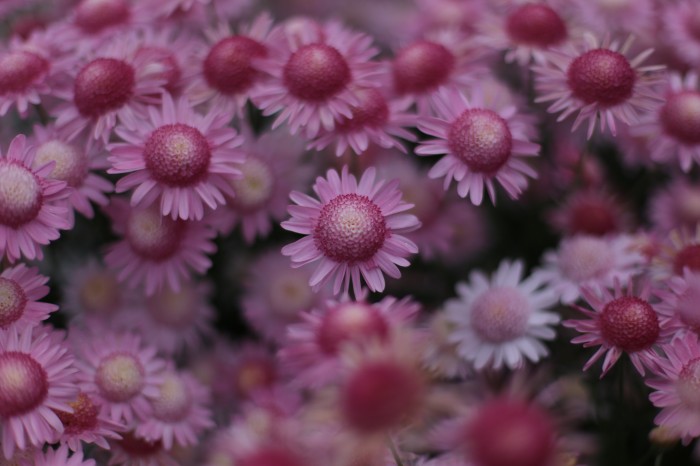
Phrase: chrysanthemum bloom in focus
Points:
(76, 161)
(353, 230)
(32, 207)
(315, 77)
(500, 321)
(20, 289)
(677, 385)
(672, 128)
(156, 251)
(116, 83)
(483, 139)
(598, 81)
(590, 261)
(620, 321)
(180, 159)
(37, 375)
(121, 372)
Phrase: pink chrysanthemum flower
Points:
(354, 231)
(172, 321)
(636, 17)
(672, 128)
(132, 450)
(20, 290)
(167, 8)
(592, 262)
(116, 83)
(681, 26)
(483, 139)
(92, 293)
(87, 424)
(598, 81)
(61, 457)
(678, 306)
(252, 371)
(228, 71)
(621, 320)
(271, 170)
(591, 212)
(676, 207)
(180, 414)
(37, 376)
(315, 77)
(31, 205)
(276, 295)
(421, 69)
(680, 251)
(500, 321)
(312, 355)
(76, 161)
(156, 251)
(121, 373)
(178, 158)
(375, 120)
(524, 31)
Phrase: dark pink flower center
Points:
(92, 16)
(421, 67)
(372, 112)
(82, 419)
(316, 72)
(173, 401)
(350, 228)
(120, 377)
(23, 384)
(680, 117)
(688, 384)
(177, 155)
(228, 67)
(103, 85)
(500, 314)
(592, 217)
(19, 70)
(629, 323)
(601, 76)
(71, 163)
(511, 433)
(536, 24)
(350, 322)
(13, 301)
(138, 447)
(380, 395)
(688, 257)
(152, 235)
(481, 139)
(21, 195)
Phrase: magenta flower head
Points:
(354, 231)
(178, 158)
(598, 81)
(20, 290)
(31, 205)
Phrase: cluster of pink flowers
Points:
(187, 171)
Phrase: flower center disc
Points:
(18, 70)
(103, 85)
(152, 235)
(94, 15)
(481, 139)
(173, 401)
(421, 67)
(372, 112)
(82, 419)
(592, 217)
(584, 258)
(71, 163)
(350, 228)
(120, 377)
(20, 195)
(177, 155)
(290, 293)
(500, 314)
(680, 117)
(255, 188)
(23, 384)
(537, 25)
(601, 76)
(629, 323)
(316, 72)
(228, 67)
(350, 322)
(100, 294)
(13, 301)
